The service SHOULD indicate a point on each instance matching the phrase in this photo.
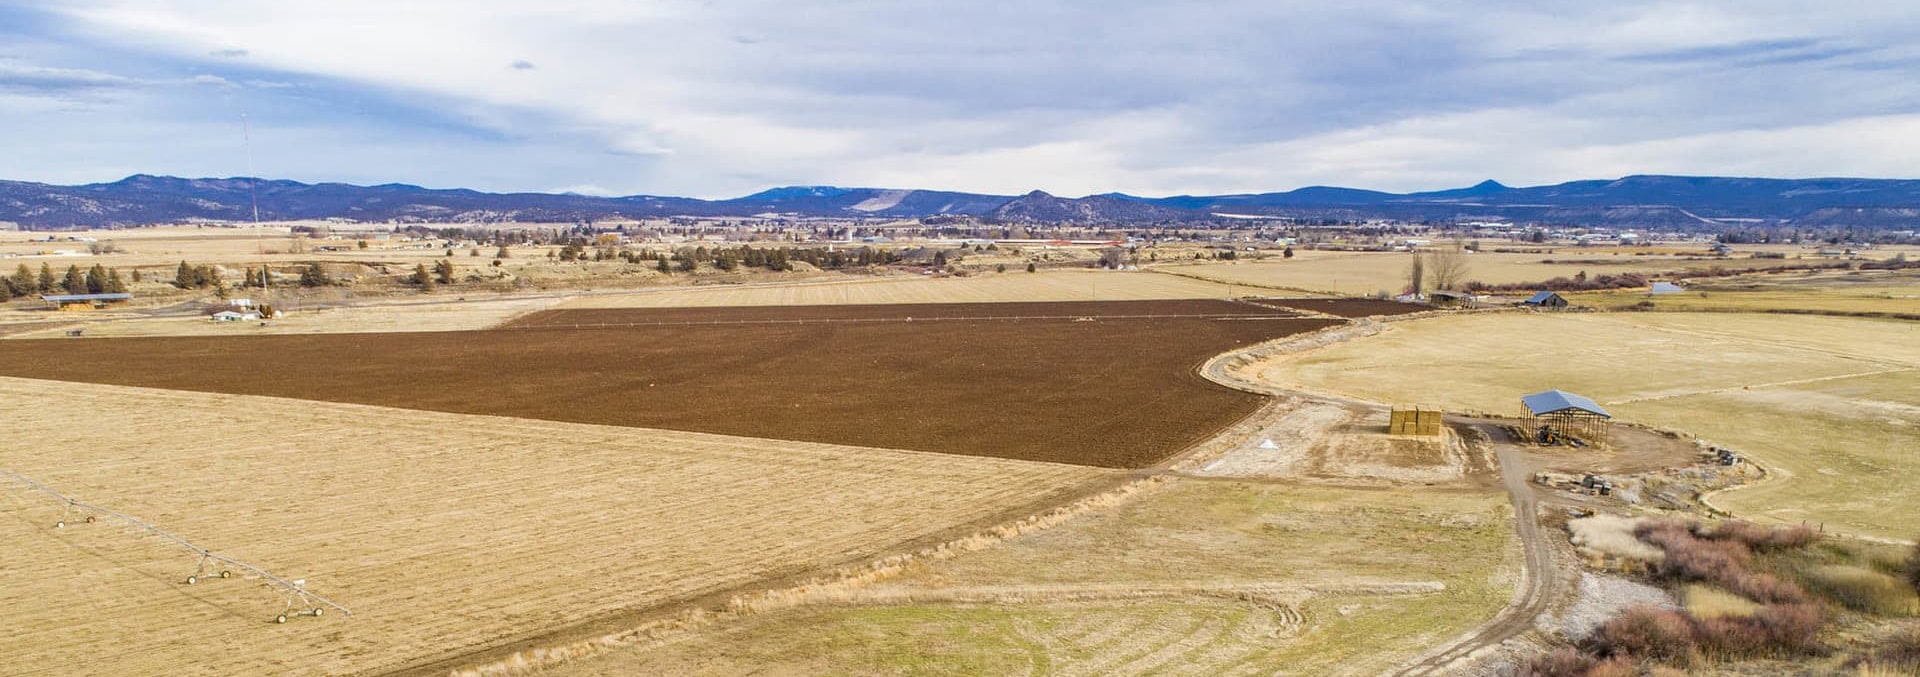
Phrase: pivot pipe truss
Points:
(295, 589)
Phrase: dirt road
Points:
(1541, 583)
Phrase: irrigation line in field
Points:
(851, 320)
(291, 588)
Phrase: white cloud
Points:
(687, 97)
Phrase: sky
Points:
(720, 98)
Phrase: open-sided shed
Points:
(1562, 415)
(84, 301)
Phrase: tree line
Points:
(203, 276)
(96, 280)
(687, 259)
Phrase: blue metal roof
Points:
(69, 298)
(1560, 400)
(1541, 297)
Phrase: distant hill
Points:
(1039, 207)
(1686, 202)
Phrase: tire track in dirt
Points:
(1540, 579)
(1540, 583)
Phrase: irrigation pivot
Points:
(211, 566)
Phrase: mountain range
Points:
(1679, 202)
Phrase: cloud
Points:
(709, 99)
(16, 74)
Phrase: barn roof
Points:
(1541, 404)
(72, 298)
(1541, 297)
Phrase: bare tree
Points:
(1447, 268)
(1417, 273)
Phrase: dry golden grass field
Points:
(1197, 578)
(445, 534)
(1364, 273)
(165, 246)
(1831, 404)
(1075, 285)
(402, 314)
(1864, 291)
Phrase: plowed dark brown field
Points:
(1119, 391)
(1348, 307)
(900, 312)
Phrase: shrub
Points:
(1764, 539)
(1730, 636)
(1766, 588)
(1901, 649)
(1618, 666)
(1793, 628)
(1775, 630)
(1862, 589)
(1913, 566)
(1689, 557)
(1563, 662)
(1647, 632)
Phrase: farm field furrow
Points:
(1110, 392)
(1832, 404)
(444, 533)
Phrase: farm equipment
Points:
(211, 565)
(206, 571)
(1547, 436)
(297, 590)
(1600, 486)
(62, 522)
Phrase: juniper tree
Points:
(75, 282)
(97, 279)
(314, 276)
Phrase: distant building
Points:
(1546, 299)
(234, 316)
